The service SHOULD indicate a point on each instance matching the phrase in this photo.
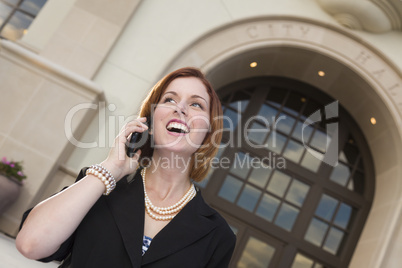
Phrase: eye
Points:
(169, 100)
(197, 104)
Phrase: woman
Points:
(153, 216)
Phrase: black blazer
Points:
(111, 234)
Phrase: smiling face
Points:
(181, 119)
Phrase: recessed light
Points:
(321, 73)
(303, 99)
(373, 121)
(253, 64)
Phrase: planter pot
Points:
(10, 189)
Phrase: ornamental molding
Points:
(375, 16)
(230, 40)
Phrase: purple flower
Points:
(20, 173)
(12, 165)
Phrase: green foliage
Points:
(12, 169)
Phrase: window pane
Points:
(230, 188)
(316, 232)
(319, 140)
(257, 133)
(239, 105)
(351, 153)
(327, 207)
(279, 183)
(293, 151)
(340, 174)
(357, 182)
(343, 216)
(268, 113)
(284, 123)
(256, 254)
(259, 176)
(32, 6)
(286, 217)
(241, 164)
(302, 134)
(302, 262)
(230, 119)
(249, 197)
(312, 162)
(13, 2)
(17, 26)
(276, 142)
(4, 12)
(297, 192)
(333, 241)
(268, 207)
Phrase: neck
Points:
(168, 175)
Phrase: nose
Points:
(181, 108)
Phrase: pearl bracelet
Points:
(104, 175)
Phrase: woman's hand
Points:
(117, 162)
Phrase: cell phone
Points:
(137, 140)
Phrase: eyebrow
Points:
(192, 96)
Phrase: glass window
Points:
(343, 216)
(316, 232)
(257, 133)
(5, 12)
(286, 217)
(312, 160)
(17, 16)
(293, 151)
(259, 176)
(274, 200)
(267, 115)
(333, 240)
(249, 197)
(319, 140)
(268, 207)
(297, 193)
(302, 262)
(32, 6)
(241, 165)
(326, 207)
(284, 123)
(340, 174)
(230, 119)
(276, 142)
(302, 132)
(230, 188)
(279, 183)
(256, 254)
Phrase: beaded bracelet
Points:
(104, 175)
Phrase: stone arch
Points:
(365, 82)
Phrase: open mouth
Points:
(177, 126)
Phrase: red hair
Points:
(198, 167)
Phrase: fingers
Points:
(133, 126)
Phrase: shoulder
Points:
(222, 227)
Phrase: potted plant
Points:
(11, 178)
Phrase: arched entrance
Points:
(364, 83)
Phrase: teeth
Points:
(178, 126)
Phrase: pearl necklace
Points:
(166, 213)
